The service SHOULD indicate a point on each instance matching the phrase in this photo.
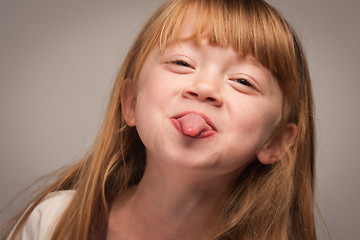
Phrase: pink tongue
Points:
(193, 125)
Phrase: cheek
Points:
(153, 97)
(250, 128)
(157, 85)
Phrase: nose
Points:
(204, 91)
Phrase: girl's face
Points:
(203, 107)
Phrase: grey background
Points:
(58, 60)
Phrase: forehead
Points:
(187, 28)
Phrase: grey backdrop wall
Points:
(58, 60)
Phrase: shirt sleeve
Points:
(43, 219)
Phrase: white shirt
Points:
(43, 219)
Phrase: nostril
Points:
(203, 94)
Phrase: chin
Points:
(191, 159)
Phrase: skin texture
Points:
(186, 176)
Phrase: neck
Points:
(166, 206)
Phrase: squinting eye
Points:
(243, 81)
(182, 63)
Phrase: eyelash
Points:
(182, 63)
(243, 81)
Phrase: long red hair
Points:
(266, 201)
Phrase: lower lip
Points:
(204, 134)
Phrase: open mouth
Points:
(193, 124)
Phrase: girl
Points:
(208, 135)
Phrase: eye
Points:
(182, 63)
(244, 84)
(180, 66)
(243, 81)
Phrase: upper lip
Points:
(206, 118)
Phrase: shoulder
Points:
(54, 202)
(44, 217)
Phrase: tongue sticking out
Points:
(195, 126)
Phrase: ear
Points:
(275, 149)
(128, 101)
